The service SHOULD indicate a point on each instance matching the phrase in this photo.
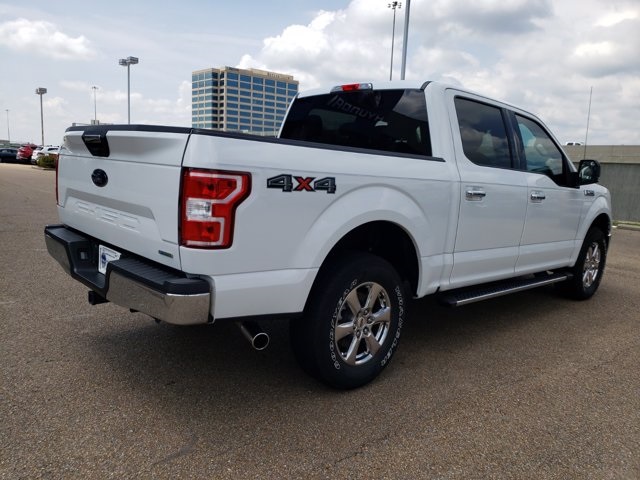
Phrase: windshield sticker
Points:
(338, 103)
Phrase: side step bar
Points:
(465, 296)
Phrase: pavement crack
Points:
(183, 451)
(363, 448)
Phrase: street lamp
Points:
(8, 131)
(405, 38)
(393, 6)
(127, 62)
(95, 108)
(41, 91)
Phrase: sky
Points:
(544, 56)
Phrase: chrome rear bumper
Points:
(131, 282)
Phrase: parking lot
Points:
(524, 386)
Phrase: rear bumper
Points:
(131, 282)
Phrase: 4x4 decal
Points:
(302, 184)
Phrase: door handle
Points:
(537, 196)
(474, 194)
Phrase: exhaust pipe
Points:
(256, 336)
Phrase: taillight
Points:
(208, 205)
(57, 162)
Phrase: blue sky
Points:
(538, 54)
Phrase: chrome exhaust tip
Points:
(257, 337)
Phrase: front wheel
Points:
(353, 321)
(589, 267)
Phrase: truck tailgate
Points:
(125, 193)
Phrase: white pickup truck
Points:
(371, 195)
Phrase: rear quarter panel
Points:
(277, 230)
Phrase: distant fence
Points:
(620, 174)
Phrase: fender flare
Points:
(601, 206)
(364, 205)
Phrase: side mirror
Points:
(588, 172)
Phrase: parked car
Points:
(8, 154)
(25, 152)
(44, 151)
(34, 154)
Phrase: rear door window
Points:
(483, 133)
(388, 120)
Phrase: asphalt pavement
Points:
(528, 386)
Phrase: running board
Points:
(484, 292)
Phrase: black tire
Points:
(589, 267)
(352, 321)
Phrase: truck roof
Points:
(434, 86)
(378, 85)
(393, 85)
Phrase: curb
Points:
(635, 228)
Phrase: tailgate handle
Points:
(96, 143)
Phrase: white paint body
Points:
(281, 239)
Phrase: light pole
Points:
(95, 107)
(127, 62)
(405, 38)
(41, 91)
(8, 130)
(393, 6)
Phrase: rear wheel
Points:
(589, 268)
(352, 323)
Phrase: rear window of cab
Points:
(387, 120)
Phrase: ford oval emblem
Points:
(99, 178)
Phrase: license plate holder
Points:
(106, 255)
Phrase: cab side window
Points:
(483, 133)
(541, 154)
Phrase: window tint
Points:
(483, 133)
(541, 154)
(390, 120)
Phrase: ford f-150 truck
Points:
(372, 195)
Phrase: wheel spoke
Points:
(353, 302)
(343, 330)
(382, 316)
(374, 292)
(350, 356)
(372, 344)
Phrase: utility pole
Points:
(8, 130)
(586, 135)
(41, 91)
(127, 62)
(405, 41)
(95, 108)
(393, 6)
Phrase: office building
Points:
(238, 100)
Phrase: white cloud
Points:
(612, 19)
(540, 56)
(595, 49)
(44, 39)
(492, 16)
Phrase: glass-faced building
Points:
(238, 100)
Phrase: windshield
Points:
(389, 120)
